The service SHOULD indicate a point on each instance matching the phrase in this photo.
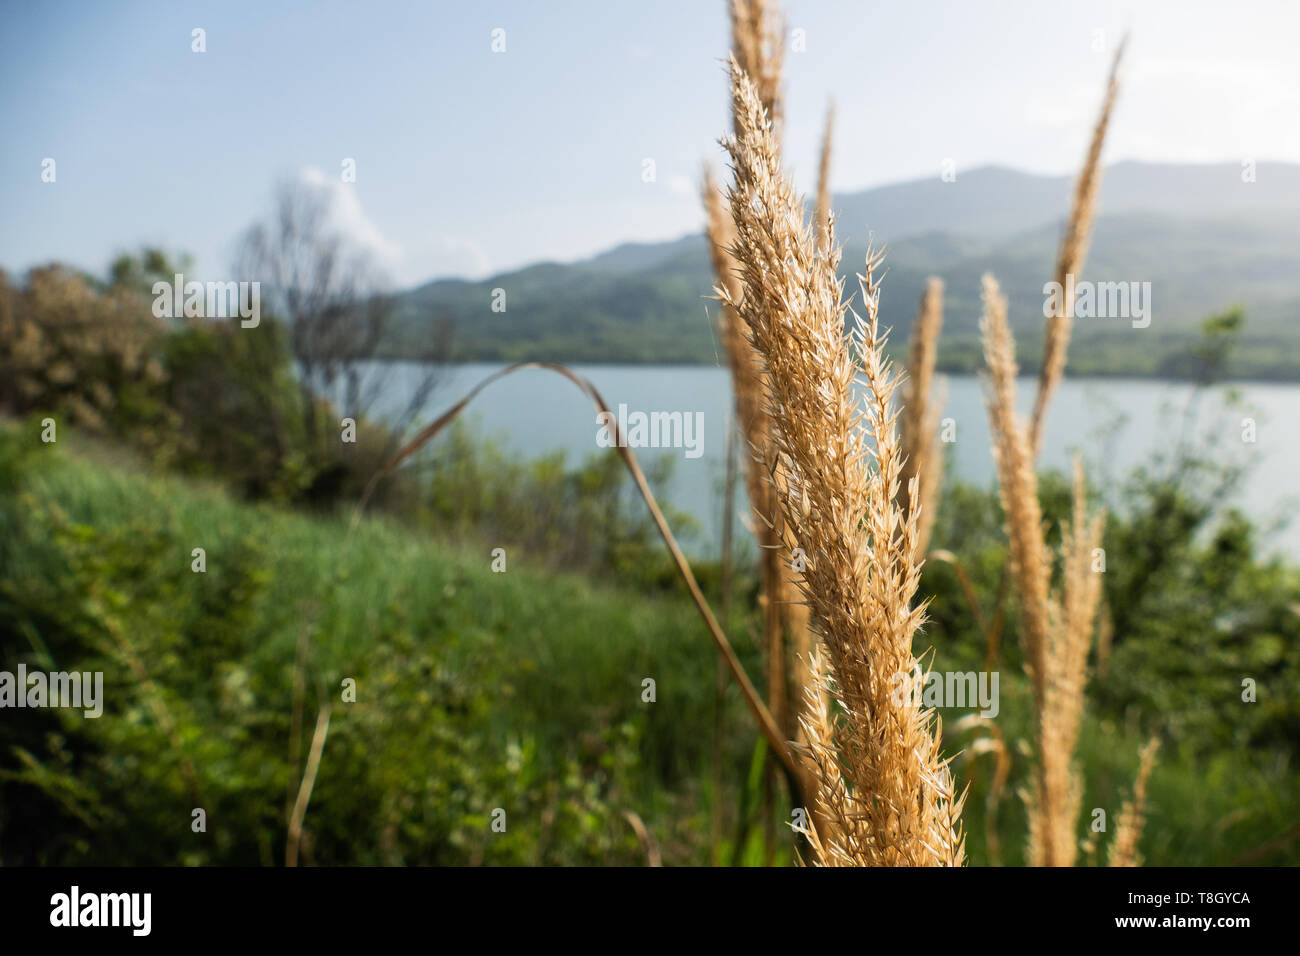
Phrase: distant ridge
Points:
(1203, 237)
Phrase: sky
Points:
(471, 162)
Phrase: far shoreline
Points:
(1025, 371)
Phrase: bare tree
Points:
(335, 301)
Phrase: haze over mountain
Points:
(1204, 237)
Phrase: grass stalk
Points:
(1070, 259)
(881, 781)
(305, 786)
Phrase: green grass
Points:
(532, 665)
(475, 690)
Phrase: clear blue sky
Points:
(470, 162)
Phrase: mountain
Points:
(1203, 238)
(997, 203)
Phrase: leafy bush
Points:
(237, 408)
(67, 347)
(590, 517)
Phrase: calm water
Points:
(1115, 423)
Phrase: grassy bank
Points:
(475, 691)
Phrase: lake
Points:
(1115, 423)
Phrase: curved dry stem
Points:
(766, 725)
(644, 838)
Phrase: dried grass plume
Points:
(1056, 630)
(883, 785)
(1069, 262)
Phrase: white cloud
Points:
(350, 219)
(436, 255)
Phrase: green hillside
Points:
(1203, 239)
